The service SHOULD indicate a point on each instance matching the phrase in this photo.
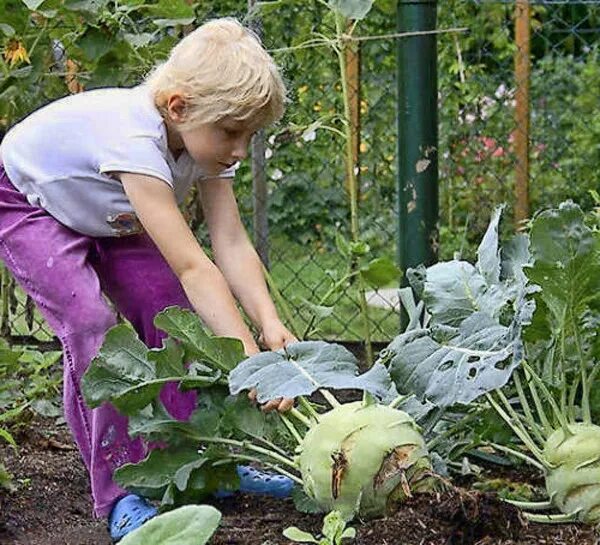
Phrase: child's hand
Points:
(282, 404)
(275, 336)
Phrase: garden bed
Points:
(52, 505)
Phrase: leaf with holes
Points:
(454, 290)
(478, 359)
(304, 367)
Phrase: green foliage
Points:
(30, 382)
(334, 531)
(130, 376)
(472, 342)
(189, 525)
(5, 476)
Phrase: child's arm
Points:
(155, 205)
(236, 257)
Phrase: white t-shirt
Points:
(61, 157)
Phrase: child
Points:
(89, 194)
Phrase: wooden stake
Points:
(522, 114)
(352, 52)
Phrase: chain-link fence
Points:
(486, 144)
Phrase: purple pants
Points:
(67, 275)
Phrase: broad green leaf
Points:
(167, 23)
(154, 423)
(168, 360)
(129, 375)
(304, 503)
(157, 471)
(515, 256)
(349, 533)
(352, 9)
(452, 291)
(320, 311)
(478, 359)
(304, 367)
(89, 6)
(172, 9)
(121, 373)
(95, 43)
(9, 357)
(219, 352)
(333, 526)
(299, 536)
(139, 40)
(187, 525)
(566, 267)
(380, 272)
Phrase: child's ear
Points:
(177, 107)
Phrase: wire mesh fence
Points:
(300, 210)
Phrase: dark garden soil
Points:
(51, 506)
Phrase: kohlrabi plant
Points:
(530, 313)
(333, 533)
(358, 458)
(362, 457)
(462, 341)
(557, 401)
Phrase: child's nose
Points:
(240, 151)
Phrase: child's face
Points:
(217, 146)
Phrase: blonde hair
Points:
(223, 71)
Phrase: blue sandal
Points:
(253, 481)
(128, 514)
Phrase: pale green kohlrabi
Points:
(573, 477)
(357, 458)
(363, 458)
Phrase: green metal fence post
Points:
(417, 133)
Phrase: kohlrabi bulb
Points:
(573, 480)
(362, 459)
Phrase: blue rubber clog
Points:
(128, 514)
(254, 481)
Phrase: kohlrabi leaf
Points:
(515, 256)
(129, 375)
(187, 525)
(488, 253)
(352, 9)
(454, 290)
(152, 476)
(566, 262)
(304, 367)
(566, 254)
(121, 373)
(184, 325)
(444, 372)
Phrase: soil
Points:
(51, 505)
